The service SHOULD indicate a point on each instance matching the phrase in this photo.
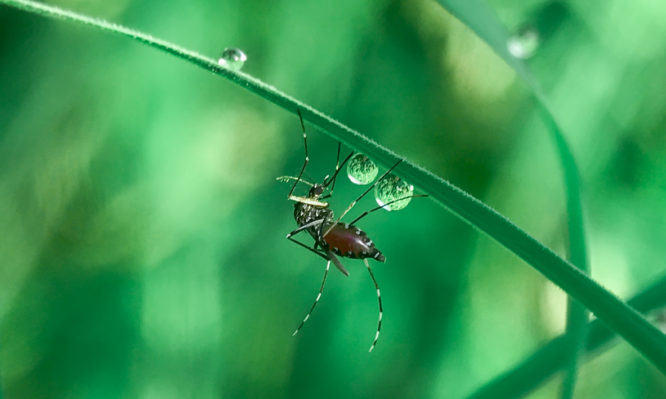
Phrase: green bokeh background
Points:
(142, 229)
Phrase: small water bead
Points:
(393, 188)
(658, 317)
(232, 58)
(523, 44)
(361, 170)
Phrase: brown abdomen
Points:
(352, 242)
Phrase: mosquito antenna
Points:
(286, 179)
(366, 213)
(305, 143)
(321, 289)
(379, 301)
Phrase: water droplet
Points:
(392, 188)
(232, 58)
(361, 169)
(524, 44)
(658, 317)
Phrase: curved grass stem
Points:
(483, 21)
(552, 357)
(615, 313)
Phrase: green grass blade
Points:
(483, 21)
(552, 357)
(620, 317)
(577, 315)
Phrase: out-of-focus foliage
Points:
(142, 230)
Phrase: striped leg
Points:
(382, 177)
(338, 167)
(366, 213)
(307, 159)
(321, 289)
(379, 300)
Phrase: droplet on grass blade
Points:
(524, 43)
(232, 58)
(361, 169)
(393, 188)
(658, 317)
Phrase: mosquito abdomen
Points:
(351, 242)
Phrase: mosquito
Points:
(333, 238)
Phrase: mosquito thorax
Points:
(305, 212)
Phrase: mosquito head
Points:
(316, 190)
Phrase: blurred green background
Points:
(142, 229)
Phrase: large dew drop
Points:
(232, 58)
(361, 169)
(523, 44)
(393, 193)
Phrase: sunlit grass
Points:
(465, 206)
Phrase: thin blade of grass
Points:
(482, 20)
(552, 357)
(646, 338)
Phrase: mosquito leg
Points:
(302, 228)
(307, 159)
(337, 263)
(327, 180)
(307, 247)
(320, 237)
(379, 300)
(321, 289)
(364, 194)
(366, 213)
(368, 189)
(338, 168)
(337, 164)
(305, 226)
(337, 157)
